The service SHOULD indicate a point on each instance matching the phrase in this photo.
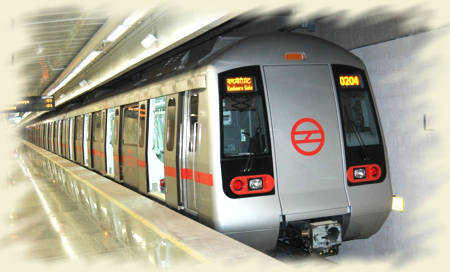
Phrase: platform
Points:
(70, 212)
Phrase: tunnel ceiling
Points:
(55, 37)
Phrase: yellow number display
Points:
(346, 81)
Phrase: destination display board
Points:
(350, 81)
(240, 84)
(33, 103)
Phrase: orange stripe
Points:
(141, 163)
(204, 178)
(187, 174)
(170, 171)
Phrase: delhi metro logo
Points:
(307, 136)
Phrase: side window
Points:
(130, 124)
(193, 122)
(142, 115)
(97, 120)
(116, 137)
(170, 136)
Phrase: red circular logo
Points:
(305, 129)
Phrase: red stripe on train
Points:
(186, 173)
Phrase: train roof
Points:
(270, 49)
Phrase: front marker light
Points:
(398, 203)
(359, 173)
(255, 184)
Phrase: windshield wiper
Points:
(362, 145)
(249, 162)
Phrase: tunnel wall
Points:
(406, 76)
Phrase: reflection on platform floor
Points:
(61, 218)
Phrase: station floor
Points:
(66, 212)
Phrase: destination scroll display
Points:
(32, 103)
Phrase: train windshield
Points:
(357, 110)
(244, 129)
(360, 127)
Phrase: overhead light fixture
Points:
(127, 23)
(148, 41)
(26, 114)
(75, 71)
(134, 17)
(120, 29)
(83, 83)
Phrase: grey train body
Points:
(200, 139)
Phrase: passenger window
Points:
(170, 136)
(116, 134)
(142, 115)
(96, 135)
(130, 125)
(193, 123)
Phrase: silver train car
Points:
(267, 138)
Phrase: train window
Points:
(130, 124)
(357, 111)
(142, 115)
(155, 147)
(116, 132)
(97, 134)
(359, 119)
(244, 126)
(171, 115)
(193, 122)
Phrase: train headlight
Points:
(398, 203)
(359, 173)
(255, 184)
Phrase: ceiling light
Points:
(75, 71)
(148, 41)
(120, 29)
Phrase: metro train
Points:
(266, 138)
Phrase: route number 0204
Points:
(349, 81)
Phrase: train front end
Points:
(301, 128)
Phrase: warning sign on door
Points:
(307, 136)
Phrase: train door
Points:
(45, 136)
(87, 131)
(66, 138)
(71, 142)
(98, 141)
(109, 148)
(55, 134)
(63, 137)
(50, 137)
(155, 147)
(116, 149)
(188, 146)
(173, 192)
(129, 143)
(59, 137)
(306, 141)
(141, 148)
(79, 139)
